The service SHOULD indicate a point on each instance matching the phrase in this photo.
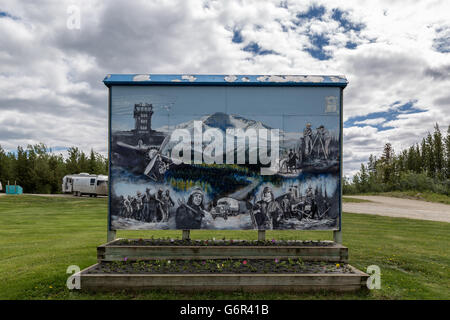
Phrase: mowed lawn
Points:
(41, 236)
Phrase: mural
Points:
(225, 157)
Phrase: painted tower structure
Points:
(143, 117)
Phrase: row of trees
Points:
(38, 170)
(424, 166)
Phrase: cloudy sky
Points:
(395, 54)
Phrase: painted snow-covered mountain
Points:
(224, 121)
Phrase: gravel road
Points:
(399, 208)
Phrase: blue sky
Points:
(381, 120)
(395, 54)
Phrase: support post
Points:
(337, 236)
(111, 235)
(186, 235)
(261, 235)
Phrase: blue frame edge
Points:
(226, 80)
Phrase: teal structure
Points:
(14, 189)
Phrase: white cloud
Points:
(50, 77)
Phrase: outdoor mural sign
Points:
(225, 152)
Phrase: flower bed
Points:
(222, 242)
(221, 266)
(154, 249)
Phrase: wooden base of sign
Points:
(326, 251)
(337, 236)
(261, 235)
(294, 282)
(186, 235)
(111, 235)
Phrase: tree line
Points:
(424, 166)
(38, 170)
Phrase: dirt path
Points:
(399, 208)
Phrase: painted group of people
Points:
(306, 207)
(147, 206)
(318, 141)
(156, 207)
(269, 212)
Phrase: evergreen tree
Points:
(93, 162)
(424, 156)
(72, 163)
(438, 148)
(410, 169)
(38, 170)
(387, 162)
(411, 159)
(371, 166)
(363, 178)
(3, 166)
(430, 160)
(418, 167)
(447, 153)
(83, 162)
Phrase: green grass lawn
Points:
(40, 237)
(415, 195)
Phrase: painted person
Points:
(159, 205)
(286, 206)
(159, 167)
(167, 203)
(325, 139)
(268, 212)
(123, 208)
(139, 205)
(310, 202)
(146, 202)
(292, 161)
(128, 206)
(290, 154)
(307, 137)
(190, 215)
(153, 204)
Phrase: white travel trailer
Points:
(84, 183)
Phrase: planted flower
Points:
(263, 266)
